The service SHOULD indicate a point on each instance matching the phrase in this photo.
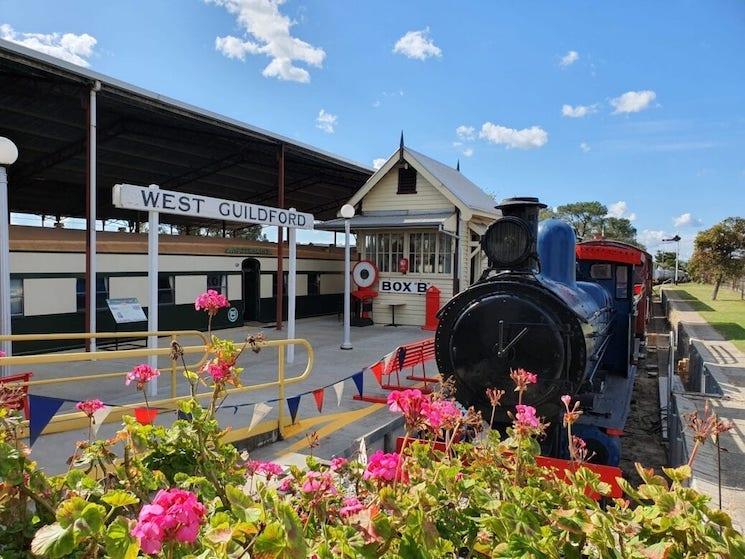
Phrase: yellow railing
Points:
(78, 420)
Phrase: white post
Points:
(8, 156)
(5, 328)
(291, 285)
(152, 284)
(91, 225)
(347, 343)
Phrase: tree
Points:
(719, 253)
(546, 213)
(585, 217)
(619, 229)
(666, 259)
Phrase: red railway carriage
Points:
(616, 251)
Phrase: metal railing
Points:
(76, 420)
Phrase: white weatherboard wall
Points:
(383, 196)
(49, 296)
(189, 287)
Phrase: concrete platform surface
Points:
(337, 426)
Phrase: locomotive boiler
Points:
(526, 311)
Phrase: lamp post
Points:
(347, 212)
(675, 239)
(8, 156)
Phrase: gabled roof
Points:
(451, 183)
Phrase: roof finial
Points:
(457, 165)
(401, 145)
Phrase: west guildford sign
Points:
(132, 197)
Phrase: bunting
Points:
(339, 389)
(293, 404)
(359, 380)
(260, 412)
(384, 364)
(318, 395)
(99, 417)
(43, 409)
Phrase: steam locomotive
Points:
(563, 310)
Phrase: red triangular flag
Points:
(377, 370)
(318, 395)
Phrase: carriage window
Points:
(102, 293)
(16, 297)
(218, 282)
(166, 289)
(444, 254)
(622, 282)
(314, 283)
(601, 271)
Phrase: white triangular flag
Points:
(260, 412)
(362, 456)
(99, 416)
(339, 389)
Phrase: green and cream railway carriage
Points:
(48, 279)
(427, 213)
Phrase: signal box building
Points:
(419, 222)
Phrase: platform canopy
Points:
(145, 138)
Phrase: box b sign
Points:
(403, 286)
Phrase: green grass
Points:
(726, 314)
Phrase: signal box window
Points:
(406, 180)
(385, 250)
(102, 293)
(218, 282)
(16, 297)
(166, 290)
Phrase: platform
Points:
(336, 426)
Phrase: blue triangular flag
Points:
(293, 404)
(43, 409)
(358, 380)
(183, 415)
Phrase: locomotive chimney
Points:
(510, 242)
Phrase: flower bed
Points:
(181, 492)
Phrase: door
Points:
(251, 268)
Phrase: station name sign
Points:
(143, 198)
(403, 286)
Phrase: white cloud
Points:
(376, 103)
(620, 210)
(569, 58)
(527, 138)
(652, 239)
(418, 45)
(686, 220)
(378, 163)
(466, 132)
(326, 121)
(468, 152)
(270, 31)
(585, 147)
(633, 101)
(579, 111)
(66, 46)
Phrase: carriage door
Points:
(251, 288)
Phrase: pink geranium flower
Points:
(522, 379)
(412, 404)
(220, 371)
(526, 417)
(266, 469)
(442, 414)
(338, 463)
(175, 515)
(89, 407)
(141, 374)
(318, 484)
(211, 301)
(351, 507)
(2, 353)
(383, 467)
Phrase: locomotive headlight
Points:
(507, 242)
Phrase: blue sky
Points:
(655, 91)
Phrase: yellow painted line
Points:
(340, 421)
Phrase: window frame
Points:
(19, 300)
(223, 288)
(101, 295)
(409, 186)
(171, 288)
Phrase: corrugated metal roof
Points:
(409, 221)
(466, 191)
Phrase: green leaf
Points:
(271, 542)
(69, 510)
(93, 515)
(120, 544)
(296, 546)
(660, 550)
(679, 474)
(53, 541)
(120, 498)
